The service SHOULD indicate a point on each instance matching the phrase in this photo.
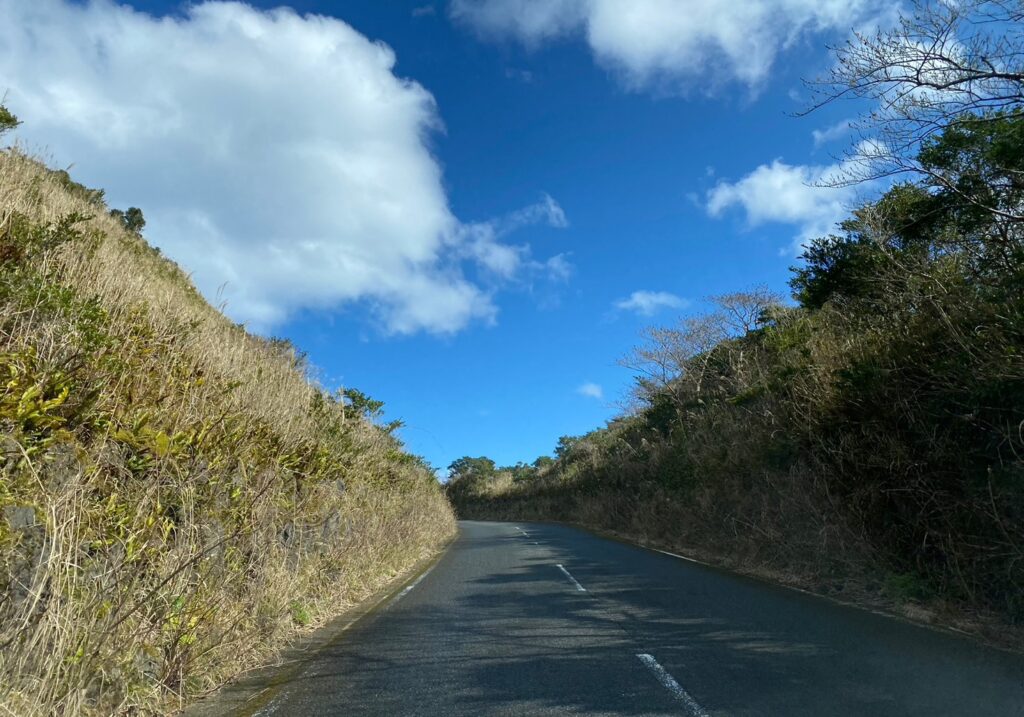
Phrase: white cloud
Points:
(648, 303)
(546, 211)
(531, 21)
(671, 44)
(591, 390)
(558, 268)
(786, 194)
(481, 241)
(831, 134)
(275, 153)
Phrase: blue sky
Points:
(564, 163)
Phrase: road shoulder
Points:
(253, 691)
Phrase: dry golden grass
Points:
(176, 499)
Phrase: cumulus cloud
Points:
(591, 390)
(674, 43)
(786, 194)
(648, 303)
(277, 156)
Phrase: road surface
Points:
(528, 619)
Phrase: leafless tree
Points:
(943, 62)
(676, 360)
(744, 311)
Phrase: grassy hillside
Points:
(176, 498)
(869, 440)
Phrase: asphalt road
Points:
(546, 620)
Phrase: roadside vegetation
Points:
(866, 438)
(177, 499)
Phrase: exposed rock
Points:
(20, 517)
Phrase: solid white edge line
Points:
(681, 557)
(668, 682)
(571, 578)
(411, 585)
(819, 596)
(271, 707)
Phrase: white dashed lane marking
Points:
(571, 578)
(693, 708)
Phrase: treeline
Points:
(177, 500)
(868, 434)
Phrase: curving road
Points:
(525, 619)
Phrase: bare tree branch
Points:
(943, 63)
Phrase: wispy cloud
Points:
(648, 303)
(524, 76)
(482, 242)
(591, 390)
(831, 134)
(546, 211)
(424, 11)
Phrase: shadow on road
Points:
(497, 629)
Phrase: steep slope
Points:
(177, 499)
